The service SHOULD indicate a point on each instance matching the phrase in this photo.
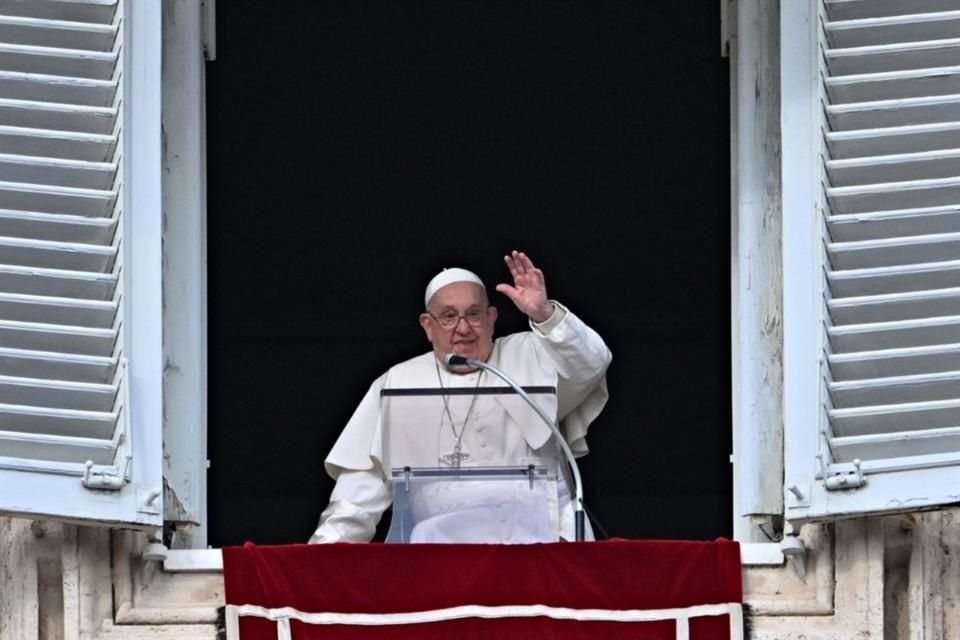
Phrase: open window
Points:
(871, 241)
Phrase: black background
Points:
(355, 148)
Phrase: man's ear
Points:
(492, 314)
(427, 327)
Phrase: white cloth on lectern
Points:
(569, 355)
(487, 511)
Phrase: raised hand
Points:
(529, 291)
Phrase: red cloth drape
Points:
(387, 578)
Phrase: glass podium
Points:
(445, 488)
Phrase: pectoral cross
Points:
(454, 459)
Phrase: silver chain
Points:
(457, 455)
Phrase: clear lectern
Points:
(449, 485)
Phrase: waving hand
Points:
(529, 291)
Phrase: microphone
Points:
(453, 360)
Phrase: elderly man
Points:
(559, 351)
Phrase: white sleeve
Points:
(581, 358)
(358, 500)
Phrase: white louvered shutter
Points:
(888, 429)
(65, 420)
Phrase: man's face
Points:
(471, 334)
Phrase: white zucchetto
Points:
(449, 276)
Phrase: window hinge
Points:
(839, 476)
(105, 478)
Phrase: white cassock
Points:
(561, 352)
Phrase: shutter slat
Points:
(94, 65)
(39, 87)
(894, 113)
(57, 116)
(884, 58)
(892, 307)
(898, 390)
(57, 422)
(26, 363)
(887, 363)
(940, 247)
(56, 227)
(52, 199)
(894, 279)
(872, 31)
(63, 34)
(912, 416)
(39, 336)
(57, 282)
(877, 140)
(49, 143)
(877, 336)
(99, 11)
(891, 224)
(57, 171)
(929, 442)
(857, 9)
(57, 393)
(894, 195)
(895, 167)
(49, 254)
(65, 311)
(53, 448)
(938, 81)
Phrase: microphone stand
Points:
(453, 360)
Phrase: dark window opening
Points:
(356, 148)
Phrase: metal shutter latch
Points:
(105, 478)
(842, 475)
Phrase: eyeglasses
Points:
(448, 318)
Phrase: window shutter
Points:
(888, 127)
(67, 440)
